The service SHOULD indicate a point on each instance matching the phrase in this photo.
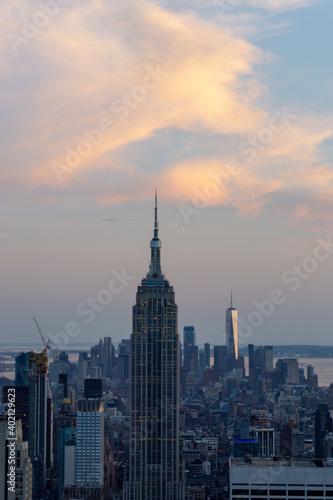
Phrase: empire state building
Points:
(155, 472)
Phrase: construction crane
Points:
(41, 360)
(46, 345)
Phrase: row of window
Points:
(291, 493)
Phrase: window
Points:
(240, 492)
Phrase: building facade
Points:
(90, 443)
(280, 479)
(155, 472)
(190, 350)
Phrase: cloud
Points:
(90, 58)
(280, 5)
(155, 72)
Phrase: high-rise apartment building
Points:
(90, 443)
(232, 335)
(155, 471)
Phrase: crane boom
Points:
(46, 345)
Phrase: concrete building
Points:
(280, 479)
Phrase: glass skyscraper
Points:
(155, 471)
(232, 335)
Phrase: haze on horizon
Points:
(226, 109)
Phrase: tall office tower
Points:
(201, 358)
(232, 335)
(90, 444)
(71, 397)
(250, 348)
(292, 371)
(155, 471)
(107, 357)
(322, 425)
(269, 356)
(123, 366)
(15, 464)
(190, 351)
(124, 347)
(62, 389)
(207, 354)
(93, 388)
(220, 359)
(67, 423)
(22, 369)
(82, 370)
(38, 425)
(263, 358)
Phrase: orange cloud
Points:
(152, 74)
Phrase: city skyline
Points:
(224, 108)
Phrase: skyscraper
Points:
(220, 359)
(38, 428)
(155, 472)
(322, 425)
(232, 335)
(190, 349)
(22, 369)
(107, 357)
(67, 423)
(90, 443)
(207, 354)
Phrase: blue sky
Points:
(228, 116)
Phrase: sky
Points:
(223, 106)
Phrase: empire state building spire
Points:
(155, 270)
